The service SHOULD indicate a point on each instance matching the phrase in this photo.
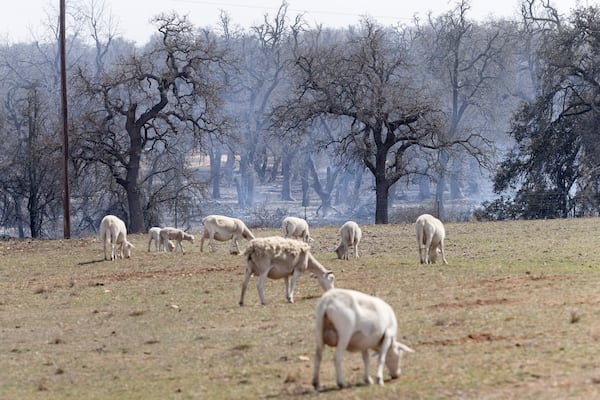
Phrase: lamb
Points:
(350, 234)
(167, 234)
(296, 228)
(154, 234)
(354, 321)
(276, 257)
(114, 233)
(430, 234)
(221, 228)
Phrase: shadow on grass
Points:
(91, 262)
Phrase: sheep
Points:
(221, 228)
(167, 234)
(154, 234)
(114, 233)
(430, 234)
(355, 321)
(276, 257)
(350, 234)
(296, 228)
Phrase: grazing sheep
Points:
(114, 233)
(350, 234)
(275, 258)
(354, 321)
(154, 234)
(430, 238)
(167, 234)
(221, 228)
(296, 228)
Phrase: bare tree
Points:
(144, 101)
(467, 61)
(30, 166)
(364, 83)
(261, 84)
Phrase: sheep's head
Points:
(327, 280)
(170, 246)
(394, 356)
(127, 249)
(342, 253)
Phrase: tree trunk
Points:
(286, 186)
(381, 201)
(19, 216)
(424, 190)
(247, 183)
(215, 172)
(441, 186)
(134, 195)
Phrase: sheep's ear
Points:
(403, 347)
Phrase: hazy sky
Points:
(22, 20)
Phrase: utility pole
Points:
(65, 125)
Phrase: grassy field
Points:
(515, 315)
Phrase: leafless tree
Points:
(261, 83)
(467, 61)
(143, 102)
(364, 82)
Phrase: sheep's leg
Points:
(295, 277)
(201, 243)
(443, 253)
(343, 340)
(104, 242)
(233, 246)
(287, 290)
(247, 274)
(385, 345)
(261, 287)
(428, 250)
(317, 365)
(367, 376)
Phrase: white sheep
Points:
(275, 258)
(296, 228)
(354, 321)
(222, 228)
(168, 234)
(350, 235)
(430, 238)
(154, 234)
(114, 233)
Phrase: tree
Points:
(261, 83)
(31, 167)
(555, 166)
(364, 82)
(144, 101)
(466, 61)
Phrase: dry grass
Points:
(511, 317)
